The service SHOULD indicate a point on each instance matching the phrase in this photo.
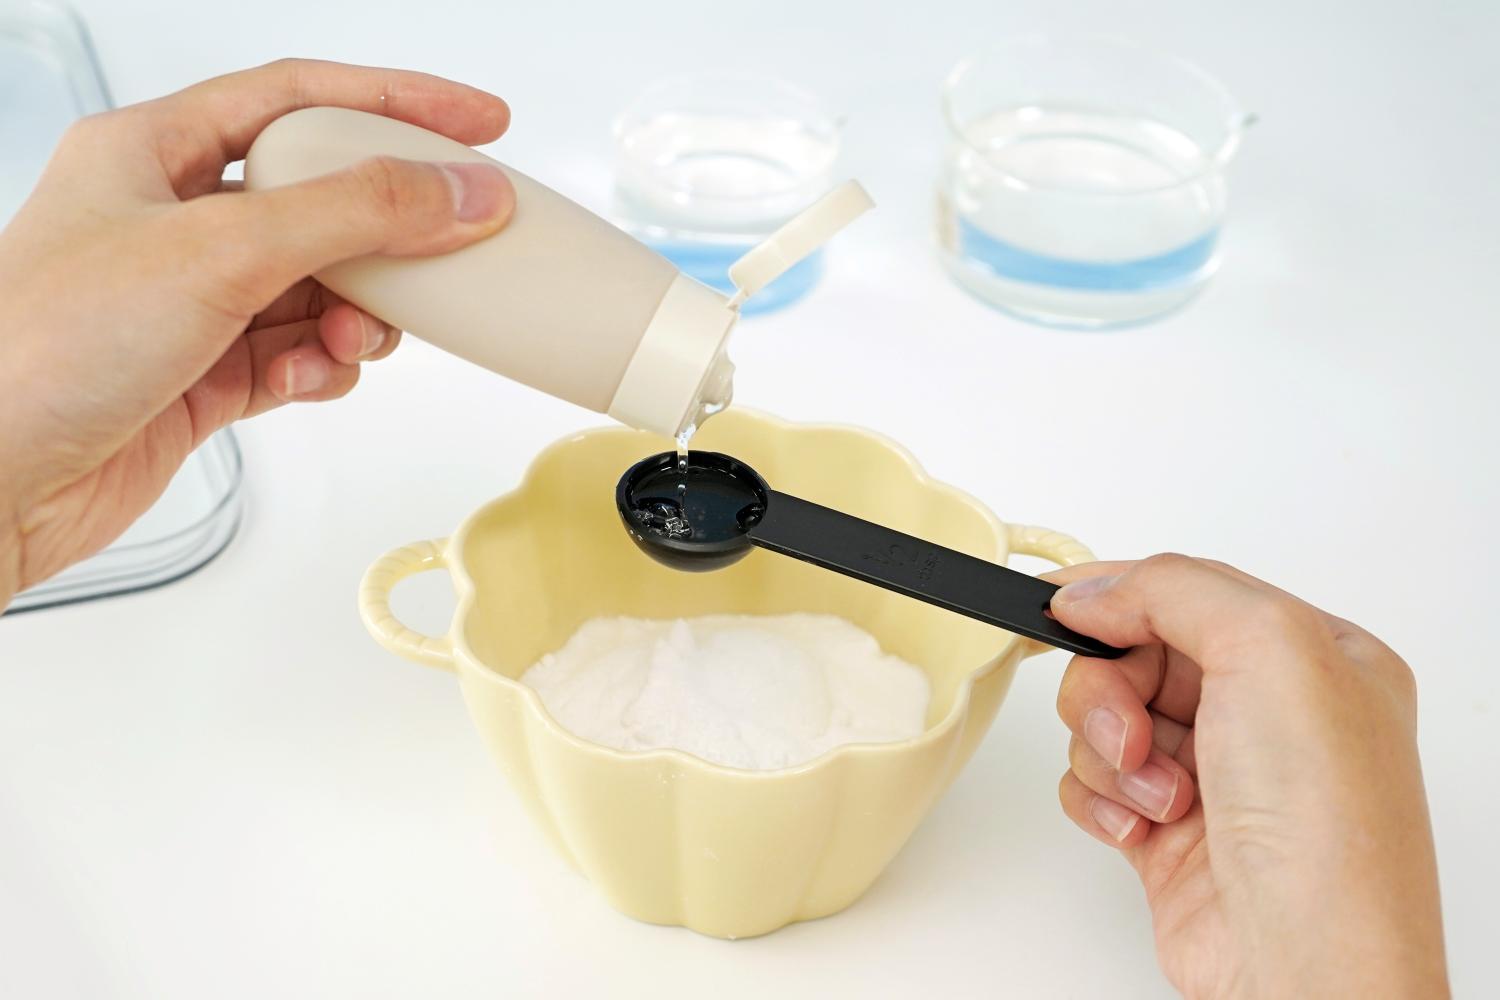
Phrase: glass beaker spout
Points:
(1234, 133)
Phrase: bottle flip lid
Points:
(679, 372)
(804, 233)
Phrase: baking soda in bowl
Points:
(757, 692)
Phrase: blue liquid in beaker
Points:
(709, 263)
(1182, 266)
(1075, 217)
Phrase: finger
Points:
(306, 299)
(382, 205)
(1185, 603)
(392, 341)
(1160, 789)
(1083, 571)
(1155, 677)
(1176, 741)
(306, 374)
(351, 335)
(214, 122)
(235, 387)
(1104, 703)
(1105, 819)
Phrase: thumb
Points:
(382, 205)
(1194, 606)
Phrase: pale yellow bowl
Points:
(667, 837)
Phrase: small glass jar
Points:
(709, 165)
(1083, 183)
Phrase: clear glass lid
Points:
(49, 76)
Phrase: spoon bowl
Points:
(695, 519)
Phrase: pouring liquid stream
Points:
(682, 459)
(665, 510)
(685, 435)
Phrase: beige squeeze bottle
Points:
(560, 299)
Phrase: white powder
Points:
(747, 691)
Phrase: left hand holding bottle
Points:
(147, 303)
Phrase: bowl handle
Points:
(1065, 550)
(375, 603)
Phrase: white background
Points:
(223, 788)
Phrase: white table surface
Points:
(223, 788)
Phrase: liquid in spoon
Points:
(683, 437)
(666, 512)
(719, 506)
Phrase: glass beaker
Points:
(706, 166)
(1083, 184)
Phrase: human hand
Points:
(1255, 760)
(146, 304)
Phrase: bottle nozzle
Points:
(714, 395)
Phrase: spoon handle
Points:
(908, 565)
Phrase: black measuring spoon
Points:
(726, 508)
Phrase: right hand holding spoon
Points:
(1255, 759)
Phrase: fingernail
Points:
(1113, 818)
(480, 192)
(1081, 590)
(305, 375)
(1152, 787)
(1104, 730)
(371, 335)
